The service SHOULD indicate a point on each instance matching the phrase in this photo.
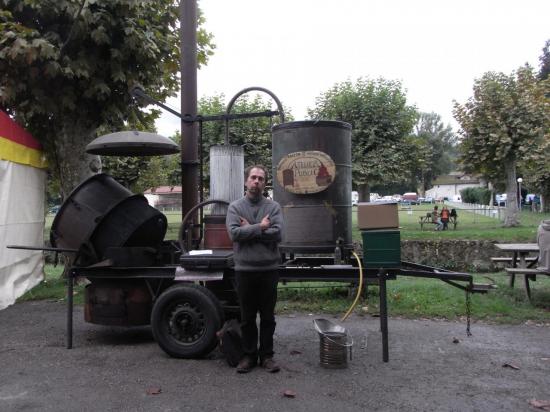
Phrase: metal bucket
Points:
(334, 342)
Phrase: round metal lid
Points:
(312, 123)
(132, 143)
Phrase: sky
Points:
(298, 49)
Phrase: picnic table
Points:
(427, 219)
(521, 262)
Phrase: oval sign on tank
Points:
(306, 172)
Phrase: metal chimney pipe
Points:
(189, 130)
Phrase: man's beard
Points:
(255, 192)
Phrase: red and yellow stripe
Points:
(17, 145)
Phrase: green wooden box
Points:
(381, 248)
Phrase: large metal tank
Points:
(312, 182)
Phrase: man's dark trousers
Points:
(257, 293)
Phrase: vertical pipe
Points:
(383, 314)
(189, 146)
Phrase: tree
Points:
(433, 146)
(66, 67)
(544, 59)
(537, 168)
(505, 121)
(381, 119)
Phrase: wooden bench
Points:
(529, 274)
(503, 259)
(427, 219)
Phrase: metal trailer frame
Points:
(158, 278)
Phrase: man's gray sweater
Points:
(255, 250)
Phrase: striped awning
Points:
(17, 145)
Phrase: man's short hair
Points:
(249, 168)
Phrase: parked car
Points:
(373, 197)
(500, 199)
(396, 198)
(410, 198)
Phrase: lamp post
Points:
(519, 180)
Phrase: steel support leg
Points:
(70, 284)
(527, 287)
(383, 314)
(514, 265)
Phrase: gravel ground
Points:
(121, 369)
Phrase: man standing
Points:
(255, 226)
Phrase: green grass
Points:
(53, 287)
(407, 297)
(426, 298)
(471, 226)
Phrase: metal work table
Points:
(300, 269)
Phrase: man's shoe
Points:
(245, 365)
(270, 365)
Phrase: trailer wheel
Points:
(184, 321)
(216, 302)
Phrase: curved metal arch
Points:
(249, 89)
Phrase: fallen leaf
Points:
(455, 340)
(295, 352)
(289, 394)
(153, 391)
(540, 404)
(511, 366)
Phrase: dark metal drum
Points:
(100, 214)
(312, 182)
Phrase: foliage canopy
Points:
(66, 67)
(381, 120)
(506, 121)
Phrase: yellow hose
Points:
(358, 289)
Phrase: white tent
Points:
(22, 188)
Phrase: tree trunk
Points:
(421, 186)
(72, 163)
(364, 192)
(511, 212)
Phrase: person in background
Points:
(445, 217)
(255, 225)
(436, 218)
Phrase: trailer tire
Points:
(184, 321)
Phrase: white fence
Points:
(496, 212)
